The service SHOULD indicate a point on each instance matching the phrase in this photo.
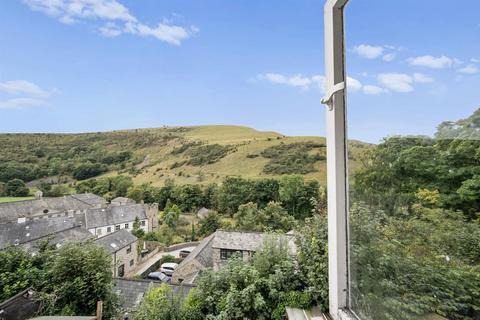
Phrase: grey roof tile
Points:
(112, 215)
(117, 240)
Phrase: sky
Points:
(97, 65)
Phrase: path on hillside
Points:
(141, 268)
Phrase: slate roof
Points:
(11, 211)
(113, 215)
(60, 230)
(202, 253)
(131, 292)
(232, 240)
(238, 240)
(116, 241)
(19, 307)
(121, 201)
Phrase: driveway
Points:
(141, 268)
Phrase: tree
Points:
(171, 215)
(275, 217)
(296, 195)
(79, 276)
(69, 280)
(3, 189)
(137, 230)
(164, 193)
(210, 196)
(88, 170)
(258, 289)
(234, 192)
(265, 191)
(16, 188)
(312, 242)
(209, 225)
(143, 192)
(160, 303)
(247, 217)
(188, 197)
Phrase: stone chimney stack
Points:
(38, 195)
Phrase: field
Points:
(13, 199)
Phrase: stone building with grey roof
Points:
(122, 246)
(215, 250)
(104, 221)
(56, 230)
(46, 207)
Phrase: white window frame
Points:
(337, 163)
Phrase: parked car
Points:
(159, 276)
(184, 253)
(168, 268)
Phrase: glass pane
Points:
(414, 151)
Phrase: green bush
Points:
(293, 158)
(207, 154)
(88, 170)
(16, 188)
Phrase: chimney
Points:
(38, 195)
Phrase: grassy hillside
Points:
(200, 154)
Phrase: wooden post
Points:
(99, 310)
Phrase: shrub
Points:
(88, 170)
(293, 158)
(16, 188)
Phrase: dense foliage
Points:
(33, 156)
(415, 229)
(258, 289)
(293, 158)
(70, 280)
(16, 188)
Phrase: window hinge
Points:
(328, 97)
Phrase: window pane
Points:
(414, 159)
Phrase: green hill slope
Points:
(199, 154)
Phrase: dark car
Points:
(184, 253)
(160, 276)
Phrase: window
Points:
(126, 225)
(99, 231)
(400, 216)
(132, 262)
(129, 249)
(117, 227)
(121, 271)
(109, 229)
(226, 254)
(143, 223)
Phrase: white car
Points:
(168, 268)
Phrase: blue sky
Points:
(94, 65)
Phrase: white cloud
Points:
(422, 78)
(433, 62)
(320, 82)
(115, 18)
(397, 82)
(389, 57)
(18, 87)
(293, 81)
(110, 29)
(368, 52)
(470, 69)
(20, 103)
(474, 60)
(373, 90)
(400, 82)
(353, 84)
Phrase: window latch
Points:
(336, 88)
